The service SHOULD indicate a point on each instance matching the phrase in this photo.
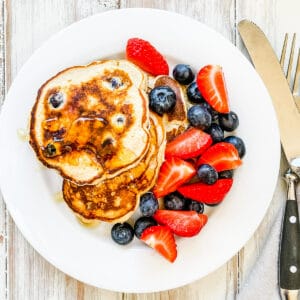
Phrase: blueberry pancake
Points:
(175, 121)
(116, 199)
(92, 122)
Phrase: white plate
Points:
(89, 254)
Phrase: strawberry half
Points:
(144, 55)
(162, 240)
(182, 223)
(208, 194)
(173, 173)
(211, 84)
(191, 143)
(222, 156)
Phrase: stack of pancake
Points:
(93, 124)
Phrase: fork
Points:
(294, 86)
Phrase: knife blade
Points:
(267, 65)
(269, 69)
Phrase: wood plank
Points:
(220, 15)
(263, 13)
(3, 212)
(275, 18)
(29, 24)
(30, 277)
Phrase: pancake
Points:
(149, 177)
(92, 122)
(175, 121)
(115, 200)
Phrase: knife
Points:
(267, 65)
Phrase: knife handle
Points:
(289, 263)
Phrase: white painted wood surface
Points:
(24, 26)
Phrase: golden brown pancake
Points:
(91, 122)
(116, 199)
(175, 121)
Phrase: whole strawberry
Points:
(144, 55)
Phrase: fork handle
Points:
(289, 263)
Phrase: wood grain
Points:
(219, 15)
(266, 19)
(280, 17)
(3, 212)
(24, 274)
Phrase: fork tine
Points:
(297, 76)
(289, 70)
(283, 52)
(296, 82)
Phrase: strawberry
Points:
(208, 194)
(162, 240)
(173, 173)
(191, 143)
(211, 84)
(222, 156)
(144, 55)
(182, 223)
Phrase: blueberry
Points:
(238, 143)
(199, 117)
(122, 233)
(193, 93)
(216, 133)
(213, 204)
(50, 150)
(56, 99)
(175, 201)
(227, 174)
(229, 122)
(148, 204)
(196, 206)
(141, 224)
(207, 174)
(58, 134)
(116, 82)
(183, 74)
(162, 99)
(214, 113)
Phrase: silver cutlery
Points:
(294, 86)
(270, 70)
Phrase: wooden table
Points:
(24, 26)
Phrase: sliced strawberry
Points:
(173, 173)
(182, 223)
(162, 240)
(222, 156)
(191, 143)
(144, 55)
(209, 194)
(211, 84)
